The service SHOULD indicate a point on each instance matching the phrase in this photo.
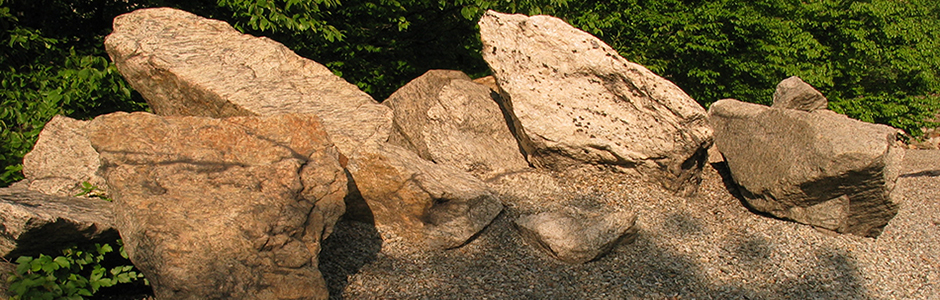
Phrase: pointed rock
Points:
(793, 93)
(573, 99)
(438, 206)
(186, 65)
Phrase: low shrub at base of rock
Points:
(79, 272)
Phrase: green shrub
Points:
(875, 60)
(48, 69)
(77, 273)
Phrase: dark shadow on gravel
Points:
(727, 180)
(835, 276)
(340, 257)
(928, 173)
(734, 189)
(499, 265)
(353, 244)
(684, 224)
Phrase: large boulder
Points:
(449, 119)
(62, 159)
(821, 168)
(437, 206)
(32, 222)
(232, 208)
(187, 65)
(572, 99)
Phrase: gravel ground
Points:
(708, 246)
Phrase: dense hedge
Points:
(875, 60)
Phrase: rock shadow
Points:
(352, 245)
(835, 276)
(727, 180)
(499, 265)
(684, 224)
(735, 190)
(928, 173)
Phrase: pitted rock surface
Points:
(574, 100)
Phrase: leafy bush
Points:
(44, 73)
(875, 60)
(76, 274)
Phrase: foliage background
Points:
(876, 60)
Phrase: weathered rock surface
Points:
(819, 168)
(574, 236)
(32, 222)
(230, 208)
(187, 65)
(62, 159)
(573, 100)
(793, 93)
(439, 206)
(449, 119)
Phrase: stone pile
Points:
(253, 153)
(191, 66)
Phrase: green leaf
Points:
(62, 262)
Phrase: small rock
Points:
(793, 93)
(576, 237)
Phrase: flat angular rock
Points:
(32, 222)
(574, 100)
(575, 237)
(449, 119)
(187, 65)
(793, 93)
(438, 206)
(62, 159)
(232, 208)
(819, 168)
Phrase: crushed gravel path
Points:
(708, 246)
